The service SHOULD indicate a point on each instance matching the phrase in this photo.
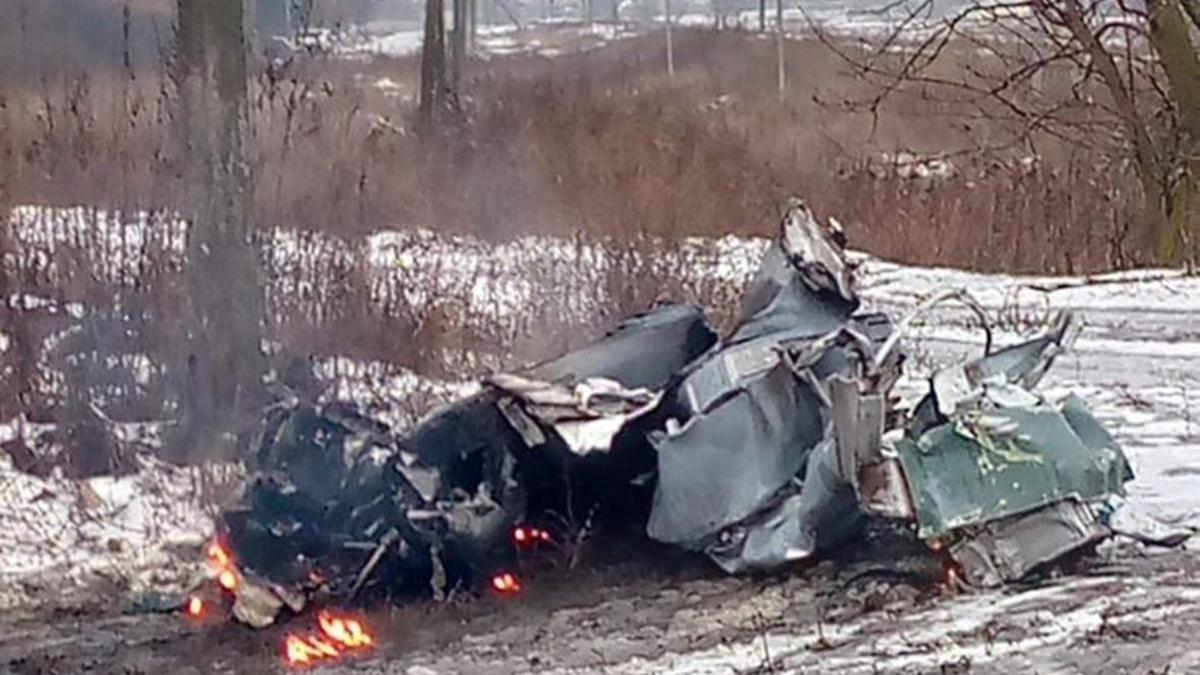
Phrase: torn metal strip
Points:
(1009, 549)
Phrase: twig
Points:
(388, 539)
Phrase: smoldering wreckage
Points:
(768, 448)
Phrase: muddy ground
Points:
(639, 609)
(1128, 610)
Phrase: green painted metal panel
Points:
(985, 465)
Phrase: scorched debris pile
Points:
(771, 446)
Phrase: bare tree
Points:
(472, 24)
(670, 40)
(458, 44)
(224, 360)
(1133, 77)
(779, 52)
(1192, 7)
(437, 95)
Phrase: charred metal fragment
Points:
(341, 506)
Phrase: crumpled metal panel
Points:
(723, 465)
(747, 463)
(1022, 365)
(1009, 549)
(1001, 462)
(792, 291)
(586, 416)
(643, 351)
(802, 519)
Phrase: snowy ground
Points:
(566, 29)
(1135, 364)
(84, 543)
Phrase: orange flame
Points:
(228, 580)
(338, 636)
(506, 583)
(528, 536)
(222, 562)
(299, 651)
(195, 607)
(218, 557)
(346, 631)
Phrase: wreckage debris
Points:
(773, 445)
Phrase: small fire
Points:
(346, 631)
(524, 536)
(218, 557)
(228, 580)
(338, 636)
(220, 560)
(506, 583)
(195, 607)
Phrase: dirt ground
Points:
(1130, 610)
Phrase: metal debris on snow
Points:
(772, 445)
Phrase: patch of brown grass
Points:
(599, 145)
(601, 142)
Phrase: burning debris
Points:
(337, 635)
(771, 446)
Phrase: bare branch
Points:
(1073, 17)
(1192, 9)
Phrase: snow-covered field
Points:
(565, 28)
(1136, 363)
(121, 537)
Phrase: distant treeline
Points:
(50, 39)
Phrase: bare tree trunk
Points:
(508, 11)
(225, 363)
(458, 46)
(1192, 8)
(779, 48)
(1150, 166)
(1172, 188)
(1169, 34)
(434, 84)
(670, 40)
(762, 16)
(472, 24)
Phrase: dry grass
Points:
(601, 142)
(600, 145)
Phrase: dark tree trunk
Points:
(458, 43)
(222, 383)
(781, 67)
(472, 23)
(435, 86)
(1171, 39)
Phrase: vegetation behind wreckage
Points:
(600, 145)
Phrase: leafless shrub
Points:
(597, 148)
